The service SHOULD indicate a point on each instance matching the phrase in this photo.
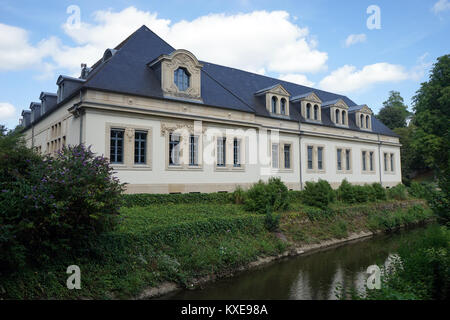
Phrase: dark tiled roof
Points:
(127, 72)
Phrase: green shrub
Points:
(398, 192)
(272, 221)
(238, 195)
(358, 194)
(147, 199)
(63, 203)
(315, 214)
(267, 196)
(318, 194)
(420, 190)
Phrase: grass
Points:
(182, 242)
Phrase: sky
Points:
(362, 49)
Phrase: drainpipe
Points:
(300, 160)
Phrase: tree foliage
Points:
(432, 116)
(394, 112)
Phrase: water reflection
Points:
(314, 276)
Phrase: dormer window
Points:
(274, 104)
(337, 115)
(310, 106)
(344, 117)
(276, 98)
(362, 116)
(338, 111)
(283, 106)
(181, 78)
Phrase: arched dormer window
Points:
(362, 121)
(283, 106)
(344, 116)
(274, 104)
(337, 115)
(182, 79)
(316, 112)
(367, 122)
(308, 111)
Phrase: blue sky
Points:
(300, 41)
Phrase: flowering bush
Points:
(62, 203)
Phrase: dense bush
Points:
(318, 194)
(398, 192)
(238, 195)
(420, 190)
(272, 221)
(358, 194)
(63, 203)
(271, 196)
(147, 199)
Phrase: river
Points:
(309, 276)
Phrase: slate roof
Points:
(127, 72)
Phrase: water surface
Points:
(310, 276)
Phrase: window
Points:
(371, 161)
(339, 159)
(287, 156)
(274, 104)
(343, 117)
(392, 162)
(347, 159)
(221, 153)
(337, 115)
(364, 167)
(385, 162)
(193, 150)
(236, 152)
(174, 149)
(116, 146)
(283, 106)
(320, 158)
(310, 157)
(316, 112)
(181, 79)
(308, 111)
(367, 122)
(274, 155)
(140, 147)
(362, 121)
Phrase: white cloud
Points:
(259, 41)
(347, 78)
(297, 78)
(7, 111)
(355, 38)
(440, 6)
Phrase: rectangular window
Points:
(140, 147)
(392, 162)
(385, 162)
(193, 150)
(347, 159)
(174, 149)
(310, 157)
(320, 158)
(116, 146)
(371, 160)
(364, 161)
(287, 156)
(339, 159)
(221, 151)
(274, 155)
(237, 152)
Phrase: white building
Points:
(170, 123)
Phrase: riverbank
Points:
(160, 248)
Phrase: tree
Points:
(411, 160)
(432, 116)
(394, 112)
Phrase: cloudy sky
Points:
(339, 46)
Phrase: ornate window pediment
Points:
(363, 117)
(310, 106)
(277, 99)
(180, 74)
